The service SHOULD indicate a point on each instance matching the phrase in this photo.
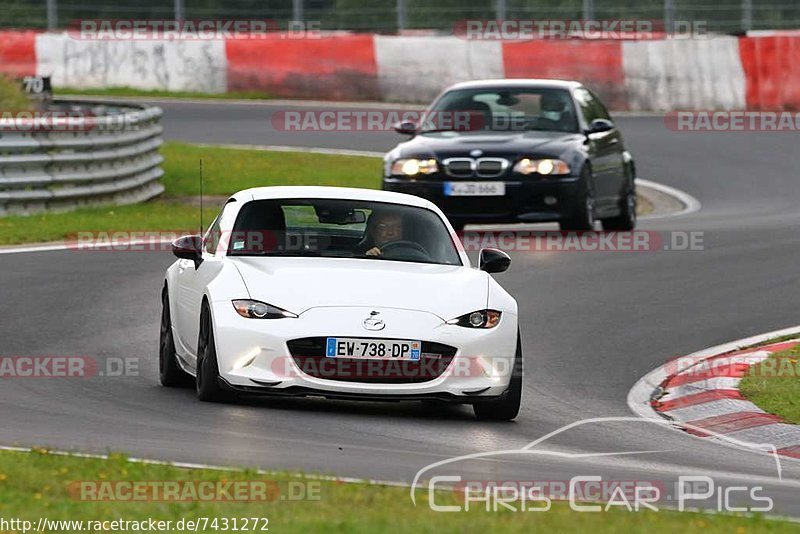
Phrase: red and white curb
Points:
(700, 394)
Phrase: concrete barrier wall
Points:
(756, 72)
(337, 67)
(772, 71)
(18, 53)
(684, 74)
(158, 64)
(416, 69)
(598, 63)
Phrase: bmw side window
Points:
(601, 110)
(586, 103)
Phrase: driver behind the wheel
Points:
(382, 228)
(556, 110)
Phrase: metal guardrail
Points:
(92, 153)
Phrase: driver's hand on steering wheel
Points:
(374, 251)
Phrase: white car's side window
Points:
(212, 238)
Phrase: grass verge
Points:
(225, 171)
(774, 384)
(43, 485)
(12, 98)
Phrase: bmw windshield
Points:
(503, 109)
(335, 228)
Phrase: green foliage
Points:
(12, 98)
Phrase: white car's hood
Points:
(298, 284)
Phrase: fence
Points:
(389, 16)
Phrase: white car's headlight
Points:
(412, 167)
(254, 309)
(545, 167)
(478, 319)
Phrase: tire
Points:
(207, 375)
(169, 372)
(626, 220)
(582, 219)
(507, 406)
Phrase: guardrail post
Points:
(747, 15)
(500, 9)
(297, 10)
(179, 10)
(588, 9)
(669, 16)
(52, 15)
(401, 15)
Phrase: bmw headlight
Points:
(413, 167)
(545, 167)
(254, 309)
(478, 319)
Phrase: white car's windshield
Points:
(336, 228)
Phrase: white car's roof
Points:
(349, 193)
(516, 82)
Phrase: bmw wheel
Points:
(582, 219)
(626, 220)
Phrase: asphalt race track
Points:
(592, 324)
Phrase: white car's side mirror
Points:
(492, 260)
(189, 247)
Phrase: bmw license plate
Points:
(474, 189)
(396, 349)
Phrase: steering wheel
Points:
(541, 123)
(404, 250)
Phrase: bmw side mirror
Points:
(600, 126)
(405, 127)
(189, 247)
(492, 260)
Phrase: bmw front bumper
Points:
(525, 200)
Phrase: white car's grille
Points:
(309, 355)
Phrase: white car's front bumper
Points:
(253, 354)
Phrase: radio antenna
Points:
(201, 196)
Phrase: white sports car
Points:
(341, 293)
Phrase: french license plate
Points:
(393, 349)
(474, 189)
